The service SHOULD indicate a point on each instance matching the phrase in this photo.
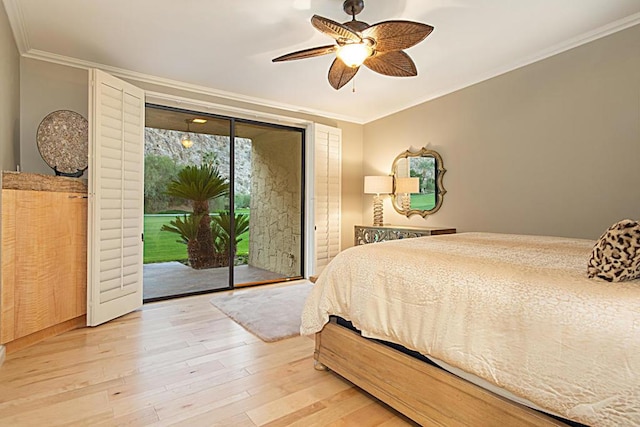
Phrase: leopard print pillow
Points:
(616, 255)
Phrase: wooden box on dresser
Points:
(373, 233)
(44, 257)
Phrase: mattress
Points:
(515, 311)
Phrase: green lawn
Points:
(162, 246)
(423, 201)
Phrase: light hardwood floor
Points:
(178, 362)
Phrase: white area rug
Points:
(271, 313)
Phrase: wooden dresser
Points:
(44, 257)
(371, 233)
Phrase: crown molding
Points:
(17, 23)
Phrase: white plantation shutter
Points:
(116, 179)
(327, 141)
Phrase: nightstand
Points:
(371, 234)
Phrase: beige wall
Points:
(551, 148)
(10, 95)
(44, 88)
(352, 180)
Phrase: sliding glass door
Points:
(223, 203)
(268, 200)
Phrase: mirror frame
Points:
(440, 190)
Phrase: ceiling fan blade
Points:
(340, 74)
(395, 64)
(307, 53)
(397, 35)
(334, 29)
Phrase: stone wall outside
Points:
(276, 205)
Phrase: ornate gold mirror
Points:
(418, 188)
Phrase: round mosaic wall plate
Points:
(63, 142)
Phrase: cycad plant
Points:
(200, 184)
(221, 228)
(187, 228)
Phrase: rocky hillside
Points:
(205, 147)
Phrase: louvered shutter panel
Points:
(116, 179)
(327, 153)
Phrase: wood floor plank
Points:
(210, 419)
(368, 416)
(334, 408)
(238, 408)
(62, 413)
(295, 401)
(51, 397)
(172, 376)
(58, 381)
(141, 417)
(160, 396)
(180, 362)
(196, 404)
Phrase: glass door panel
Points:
(186, 247)
(268, 203)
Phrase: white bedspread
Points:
(517, 311)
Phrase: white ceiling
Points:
(225, 47)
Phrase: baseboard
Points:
(36, 337)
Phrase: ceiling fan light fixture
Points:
(380, 47)
(354, 54)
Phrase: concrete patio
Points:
(166, 279)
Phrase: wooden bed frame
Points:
(428, 395)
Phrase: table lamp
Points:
(404, 188)
(378, 185)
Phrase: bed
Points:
(515, 332)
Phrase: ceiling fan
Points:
(379, 46)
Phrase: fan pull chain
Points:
(353, 90)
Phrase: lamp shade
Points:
(407, 185)
(378, 184)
